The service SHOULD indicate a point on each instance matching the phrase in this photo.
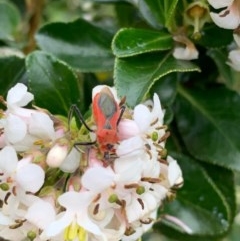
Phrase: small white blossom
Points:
(21, 126)
(75, 217)
(17, 178)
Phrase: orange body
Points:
(106, 113)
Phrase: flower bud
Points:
(58, 153)
(185, 49)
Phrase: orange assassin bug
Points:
(107, 114)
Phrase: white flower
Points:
(21, 126)
(186, 50)
(18, 96)
(28, 176)
(18, 177)
(76, 216)
(229, 18)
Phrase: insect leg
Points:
(75, 110)
(88, 143)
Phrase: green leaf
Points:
(166, 89)
(9, 20)
(53, 83)
(79, 43)
(134, 76)
(158, 13)
(209, 125)
(130, 41)
(215, 37)
(205, 204)
(12, 71)
(228, 76)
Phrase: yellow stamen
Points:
(71, 232)
(74, 231)
(82, 234)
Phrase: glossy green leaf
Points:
(12, 71)
(215, 37)
(79, 43)
(228, 76)
(158, 13)
(131, 41)
(209, 125)
(166, 89)
(53, 83)
(9, 20)
(205, 205)
(134, 76)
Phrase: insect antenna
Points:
(123, 108)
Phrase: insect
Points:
(107, 114)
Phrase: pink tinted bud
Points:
(57, 154)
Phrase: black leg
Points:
(75, 110)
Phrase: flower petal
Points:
(230, 20)
(4, 220)
(41, 126)
(30, 177)
(59, 225)
(174, 171)
(234, 57)
(130, 147)
(127, 128)
(157, 109)
(18, 95)
(185, 53)
(15, 129)
(142, 117)
(96, 179)
(75, 201)
(84, 221)
(128, 169)
(220, 3)
(71, 162)
(8, 160)
(41, 214)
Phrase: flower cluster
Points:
(53, 186)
